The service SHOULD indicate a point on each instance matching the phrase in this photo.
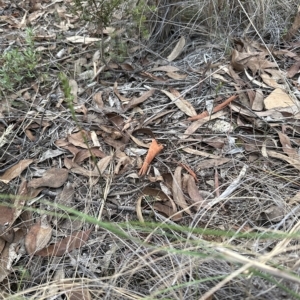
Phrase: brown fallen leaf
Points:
(74, 168)
(16, 170)
(278, 98)
(38, 236)
(156, 193)
(136, 101)
(180, 102)
(292, 161)
(258, 102)
(193, 192)
(97, 98)
(177, 50)
(80, 139)
(168, 209)
(78, 293)
(293, 70)
(154, 149)
(74, 241)
(54, 178)
(177, 191)
(287, 147)
(86, 153)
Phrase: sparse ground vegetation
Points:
(149, 149)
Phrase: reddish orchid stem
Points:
(216, 109)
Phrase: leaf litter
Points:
(189, 173)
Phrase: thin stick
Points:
(216, 109)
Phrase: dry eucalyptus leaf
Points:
(176, 76)
(278, 98)
(77, 39)
(136, 101)
(258, 102)
(103, 164)
(180, 102)
(177, 50)
(79, 294)
(38, 236)
(16, 170)
(74, 241)
(66, 196)
(177, 191)
(53, 178)
(194, 192)
(286, 146)
(50, 154)
(167, 68)
(292, 161)
(97, 98)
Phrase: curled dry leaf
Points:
(16, 170)
(38, 236)
(54, 178)
(74, 241)
(177, 191)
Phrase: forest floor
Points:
(137, 172)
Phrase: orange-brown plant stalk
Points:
(154, 149)
(216, 109)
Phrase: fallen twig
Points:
(216, 109)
